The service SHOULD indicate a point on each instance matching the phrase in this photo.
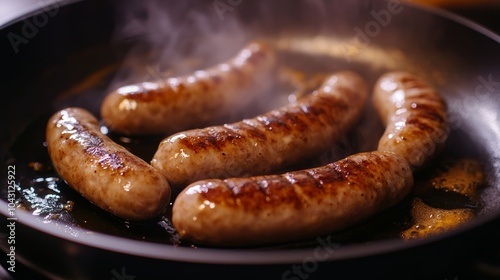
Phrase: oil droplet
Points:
(68, 206)
(36, 166)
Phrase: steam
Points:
(169, 39)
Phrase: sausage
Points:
(415, 116)
(102, 171)
(291, 206)
(269, 142)
(191, 101)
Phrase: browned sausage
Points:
(292, 206)
(186, 102)
(102, 171)
(267, 143)
(415, 115)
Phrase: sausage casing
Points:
(291, 206)
(269, 142)
(186, 102)
(102, 171)
(415, 116)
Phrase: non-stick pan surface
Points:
(72, 53)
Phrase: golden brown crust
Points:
(269, 142)
(101, 170)
(176, 104)
(415, 115)
(295, 205)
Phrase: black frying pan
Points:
(74, 52)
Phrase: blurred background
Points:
(484, 12)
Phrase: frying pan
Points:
(71, 53)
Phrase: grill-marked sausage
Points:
(269, 142)
(415, 117)
(102, 171)
(191, 101)
(292, 206)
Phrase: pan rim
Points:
(227, 256)
(457, 19)
(32, 10)
(240, 256)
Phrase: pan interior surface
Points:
(368, 37)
